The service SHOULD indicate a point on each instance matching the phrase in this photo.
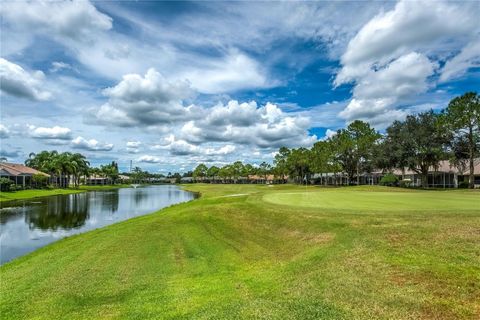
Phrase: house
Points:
(186, 180)
(123, 178)
(95, 179)
(266, 179)
(19, 173)
(444, 175)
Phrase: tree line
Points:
(417, 143)
(66, 166)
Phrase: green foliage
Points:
(281, 162)
(354, 148)
(5, 184)
(110, 171)
(40, 180)
(212, 172)
(417, 143)
(200, 171)
(463, 184)
(462, 117)
(298, 163)
(138, 175)
(405, 183)
(60, 166)
(389, 180)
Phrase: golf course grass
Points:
(264, 252)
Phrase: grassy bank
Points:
(35, 193)
(281, 252)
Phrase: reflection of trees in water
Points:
(65, 212)
(11, 210)
(140, 196)
(109, 201)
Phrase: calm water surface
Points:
(27, 225)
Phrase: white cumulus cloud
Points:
(77, 20)
(145, 101)
(395, 56)
(91, 145)
(20, 83)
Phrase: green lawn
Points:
(246, 251)
(35, 193)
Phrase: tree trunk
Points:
(471, 179)
(358, 175)
(424, 176)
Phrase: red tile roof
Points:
(16, 169)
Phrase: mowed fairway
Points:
(366, 200)
(259, 252)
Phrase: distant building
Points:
(186, 180)
(445, 175)
(123, 178)
(95, 180)
(19, 173)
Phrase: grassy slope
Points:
(241, 256)
(35, 193)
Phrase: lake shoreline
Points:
(29, 224)
(39, 193)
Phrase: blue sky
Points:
(171, 84)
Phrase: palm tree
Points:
(80, 167)
(60, 166)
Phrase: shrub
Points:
(5, 184)
(463, 185)
(405, 183)
(389, 180)
(40, 180)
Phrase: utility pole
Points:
(131, 162)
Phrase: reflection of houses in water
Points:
(61, 212)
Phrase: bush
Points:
(16, 187)
(40, 180)
(405, 183)
(389, 180)
(5, 184)
(463, 185)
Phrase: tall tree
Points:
(281, 162)
(354, 148)
(418, 143)
(298, 163)
(462, 117)
(200, 171)
(212, 172)
(264, 170)
(237, 170)
(322, 157)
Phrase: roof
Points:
(16, 169)
(447, 167)
(443, 166)
(96, 177)
(261, 177)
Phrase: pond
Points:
(27, 225)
